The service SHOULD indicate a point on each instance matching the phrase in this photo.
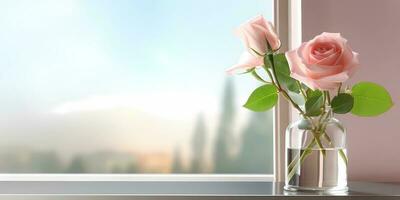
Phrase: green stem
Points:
(277, 83)
(283, 92)
(298, 161)
(258, 77)
(286, 95)
(321, 148)
(321, 125)
(293, 163)
(321, 129)
(271, 59)
(318, 132)
(340, 88)
(328, 139)
(270, 76)
(296, 157)
(316, 140)
(328, 97)
(256, 52)
(343, 156)
(302, 90)
(341, 151)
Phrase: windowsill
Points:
(187, 189)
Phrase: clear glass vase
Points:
(316, 156)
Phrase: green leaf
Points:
(256, 76)
(314, 103)
(248, 71)
(283, 73)
(297, 98)
(315, 93)
(309, 92)
(263, 98)
(267, 64)
(305, 87)
(370, 99)
(342, 103)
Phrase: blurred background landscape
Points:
(128, 86)
(249, 151)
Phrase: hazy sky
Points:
(162, 58)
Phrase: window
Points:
(130, 86)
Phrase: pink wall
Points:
(373, 30)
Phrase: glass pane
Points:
(128, 86)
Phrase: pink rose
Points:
(255, 34)
(323, 62)
(246, 61)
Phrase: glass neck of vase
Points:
(325, 115)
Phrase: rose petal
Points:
(353, 65)
(256, 32)
(246, 61)
(295, 62)
(329, 60)
(272, 37)
(340, 77)
(319, 71)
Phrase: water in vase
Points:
(316, 171)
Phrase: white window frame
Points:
(287, 17)
(288, 24)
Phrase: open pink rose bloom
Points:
(323, 62)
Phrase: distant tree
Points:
(131, 168)
(45, 162)
(198, 146)
(177, 162)
(77, 165)
(116, 169)
(28, 160)
(256, 149)
(224, 140)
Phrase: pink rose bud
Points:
(323, 62)
(255, 34)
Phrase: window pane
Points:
(128, 86)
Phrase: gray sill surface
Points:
(180, 188)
